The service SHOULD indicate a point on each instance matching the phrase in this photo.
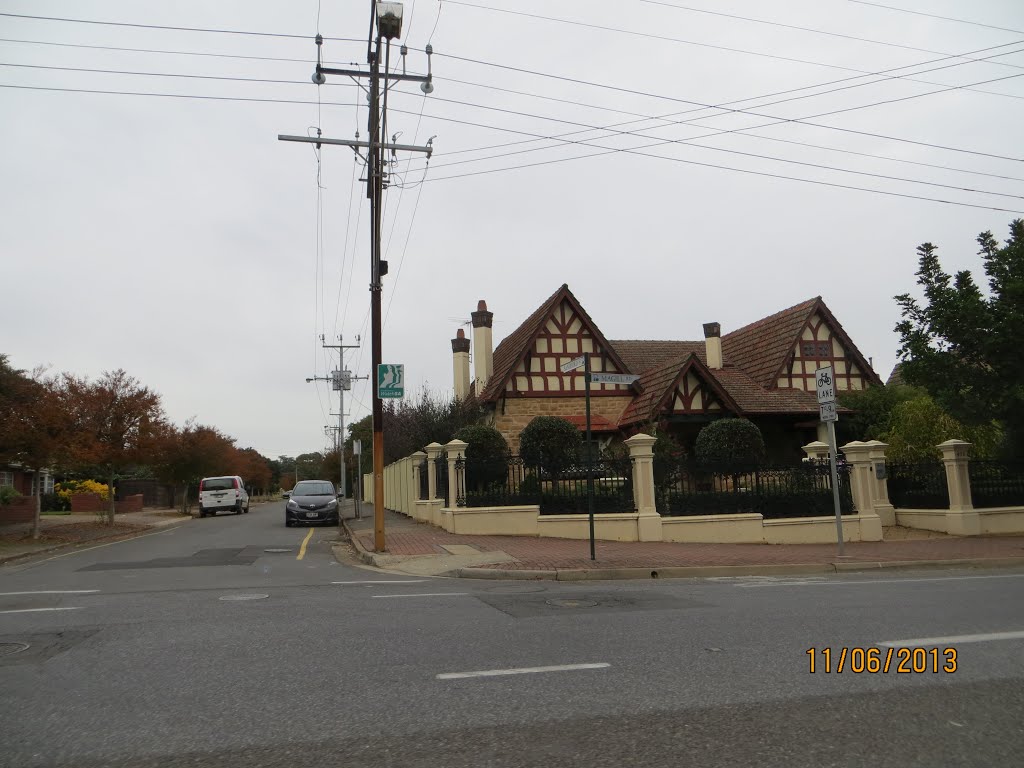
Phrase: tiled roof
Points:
(754, 399)
(896, 377)
(655, 383)
(761, 347)
(514, 346)
(643, 355)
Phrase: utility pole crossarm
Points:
(428, 149)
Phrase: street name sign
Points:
(390, 380)
(613, 378)
(572, 365)
(826, 385)
(828, 412)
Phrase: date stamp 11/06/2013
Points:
(882, 660)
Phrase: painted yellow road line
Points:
(305, 541)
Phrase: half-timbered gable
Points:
(680, 389)
(558, 334)
(784, 350)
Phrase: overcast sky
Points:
(177, 237)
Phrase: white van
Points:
(222, 493)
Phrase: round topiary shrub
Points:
(486, 455)
(550, 443)
(730, 443)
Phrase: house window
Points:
(6, 478)
(816, 349)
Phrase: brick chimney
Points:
(460, 364)
(483, 347)
(713, 345)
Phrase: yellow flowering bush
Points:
(66, 489)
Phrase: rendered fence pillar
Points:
(641, 451)
(858, 455)
(962, 518)
(816, 451)
(408, 476)
(433, 451)
(862, 486)
(883, 507)
(417, 469)
(456, 449)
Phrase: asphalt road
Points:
(139, 653)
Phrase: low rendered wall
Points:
(810, 530)
(1002, 520)
(607, 526)
(714, 529)
(492, 521)
(925, 519)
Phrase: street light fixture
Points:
(389, 20)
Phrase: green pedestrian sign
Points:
(390, 380)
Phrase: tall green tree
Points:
(962, 345)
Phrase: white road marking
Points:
(427, 594)
(52, 592)
(916, 642)
(36, 610)
(415, 581)
(868, 582)
(519, 671)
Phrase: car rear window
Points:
(218, 484)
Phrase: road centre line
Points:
(519, 671)
(414, 581)
(37, 610)
(305, 541)
(916, 642)
(52, 592)
(862, 582)
(426, 594)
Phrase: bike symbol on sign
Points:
(824, 379)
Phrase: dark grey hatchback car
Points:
(312, 501)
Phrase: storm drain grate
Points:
(567, 602)
(236, 598)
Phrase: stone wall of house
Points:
(519, 411)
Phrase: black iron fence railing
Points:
(441, 477)
(424, 488)
(511, 482)
(803, 490)
(917, 485)
(996, 483)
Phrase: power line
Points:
(174, 95)
(665, 38)
(806, 29)
(167, 52)
(710, 106)
(936, 16)
(730, 168)
(166, 74)
(175, 29)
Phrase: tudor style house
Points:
(763, 371)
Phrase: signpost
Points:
(583, 361)
(825, 383)
(390, 380)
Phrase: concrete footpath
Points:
(421, 549)
(59, 532)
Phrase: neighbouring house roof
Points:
(896, 377)
(754, 358)
(517, 344)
